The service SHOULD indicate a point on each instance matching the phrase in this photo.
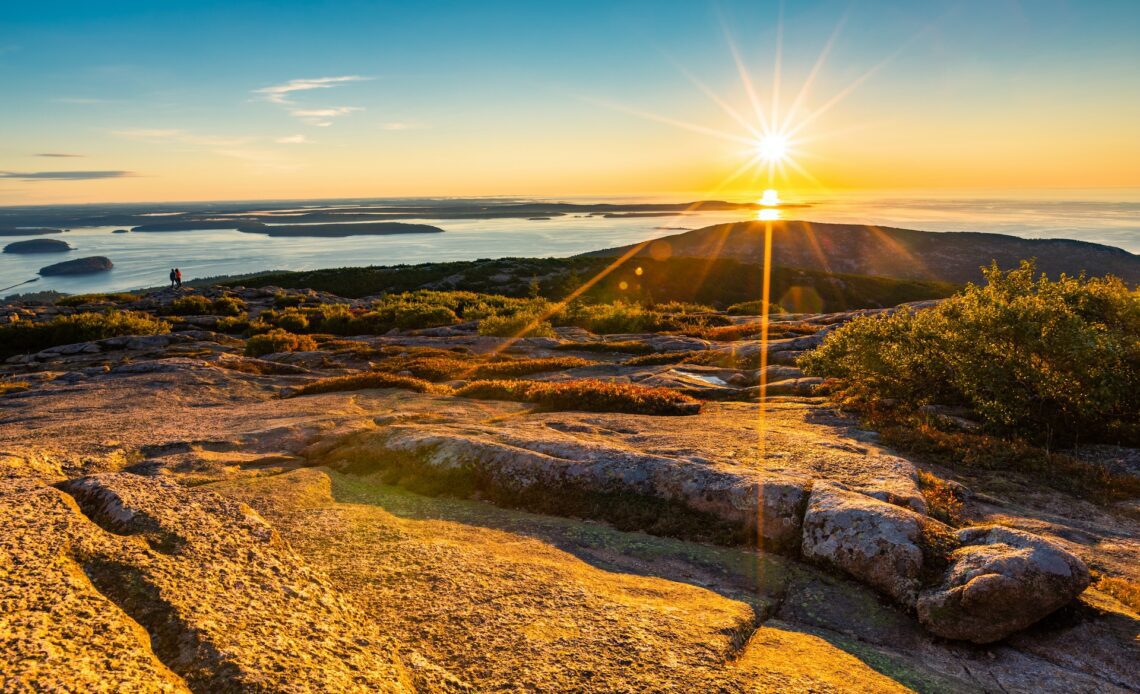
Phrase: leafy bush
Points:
(516, 325)
(198, 305)
(374, 379)
(112, 298)
(1053, 361)
(682, 307)
(193, 305)
(753, 308)
(278, 340)
(27, 336)
(227, 306)
(232, 325)
(585, 395)
(606, 319)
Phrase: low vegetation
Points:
(276, 341)
(585, 395)
(107, 298)
(27, 336)
(1052, 362)
(753, 308)
(618, 346)
(942, 499)
(7, 386)
(198, 305)
(452, 366)
(365, 381)
(656, 285)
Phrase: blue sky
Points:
(277, 99)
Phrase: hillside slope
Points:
(889, 252)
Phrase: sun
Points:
(772, 148)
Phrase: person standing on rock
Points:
(178, 277)
(173, 278)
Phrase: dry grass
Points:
(982, 452)
(374, 379)
(942, 500)
(13, 386)
(586, 395)
(453, 366)
(1124, 590)
(620, 346)
(278, 341)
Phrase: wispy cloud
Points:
(321, 117)
(401, 125)
(64, 175)
(279, 93)
(59, 155)
(293, 140)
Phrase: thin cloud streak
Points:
(59, 155)
(279, 93)
(64, 175)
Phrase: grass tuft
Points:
(586, 395)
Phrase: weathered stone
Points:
(873, 541)
(1000, 581)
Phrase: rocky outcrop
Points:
(125, 582)
(1000, 581)
(79, 266)
(875, 542)
(38, 246)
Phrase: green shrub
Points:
(192, 305)
(232, 325)
(227, 306)
(1051, 361)
(286, 300)
(374, 379)
(606, 319)
(81, 299)
(28, 336)
(585, 395)
(683, 307)
(753, 308)
(278, 340)
(516, 325)
(292, 320)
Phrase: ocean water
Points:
(143, 259)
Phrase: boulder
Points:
(79, 266)
(873, 541)
(38, 246)
(1000, 581)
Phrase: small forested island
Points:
(38, 246)
(79, 266)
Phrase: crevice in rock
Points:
(93, 503)
(178, 646)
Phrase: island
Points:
(339, 230)
(38, 246)
(79, 266)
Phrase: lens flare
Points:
(772, 148)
